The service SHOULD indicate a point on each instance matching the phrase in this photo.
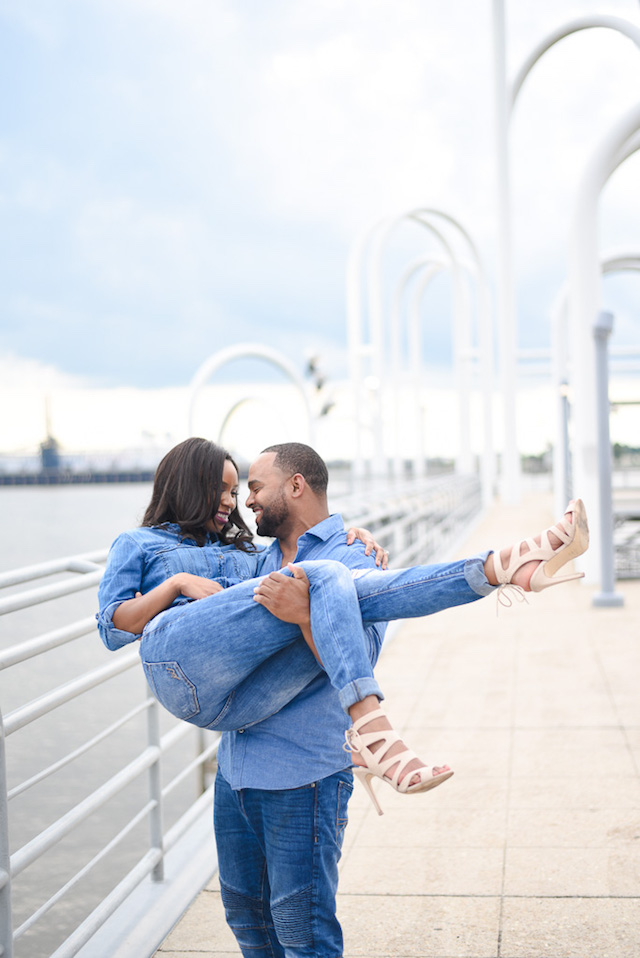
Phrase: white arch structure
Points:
(430, 268)
(622, 261)
(247, 351)
(506, 98)
(362, 349)
(622, 141)
(263, 401)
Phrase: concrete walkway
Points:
(533, 848)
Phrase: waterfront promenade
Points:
(533, 848)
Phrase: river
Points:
(40, 523)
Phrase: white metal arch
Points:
(485, 347)
(275, 410)
(584, 303)
(619, 261)
(371, 242)
(430, 268)
(505, 103)
(245, 351)
(588, 22)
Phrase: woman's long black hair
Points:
(187, 489)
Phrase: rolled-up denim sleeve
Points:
(121, 580)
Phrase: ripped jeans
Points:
(278, 854)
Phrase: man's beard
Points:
(273, 517)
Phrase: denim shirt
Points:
(301, 743)
(143, 558)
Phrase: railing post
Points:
(6, 929)
(602, 329)
(155, 787)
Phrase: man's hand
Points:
(286, 597)
(382, 556)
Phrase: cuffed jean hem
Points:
(357, 690)
(474, 574)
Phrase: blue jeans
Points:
(224, 662)
(278, 854)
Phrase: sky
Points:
(178, 176)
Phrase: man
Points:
(284, 784)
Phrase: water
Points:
(46, 522)
(41, 523)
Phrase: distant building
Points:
(50, 455)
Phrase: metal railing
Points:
(75, 575)
(418, 522)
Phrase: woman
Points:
(202, 658)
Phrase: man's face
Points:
(267, 498)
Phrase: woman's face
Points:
(228, 498)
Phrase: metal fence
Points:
(418, 522)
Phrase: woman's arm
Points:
(382, 556)
(133, 614)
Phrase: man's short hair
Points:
(296, 457)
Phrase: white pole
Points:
(415, 354)
(602, 329)
(505, 299)
(355, 335)
(560, 380)
(432, 268)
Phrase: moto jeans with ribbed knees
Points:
(224, 662)
(278, 854)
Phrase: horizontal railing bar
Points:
(83, 565)
(26, 855)
(115, 841)
(52, 567)
(175, 833)
(44, 643)
(197, 762)
(108, 906)
(65, 693)
(395, 514)
(45, 593)
(174, 735)
(72, 756)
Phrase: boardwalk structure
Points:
(533, 848)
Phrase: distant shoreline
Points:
(74, 478)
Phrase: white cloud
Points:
(206, 164)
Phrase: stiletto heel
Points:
(376, 764)
(365, 777)
(574, 539)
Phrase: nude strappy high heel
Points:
(574, 538)
(376, 764)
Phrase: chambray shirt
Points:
(301, 743)
(143, 558)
